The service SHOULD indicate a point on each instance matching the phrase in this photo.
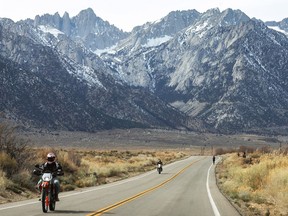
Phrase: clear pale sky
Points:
(126, 14)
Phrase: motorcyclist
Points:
(54, 167)
(160, 162)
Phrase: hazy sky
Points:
(126, 14)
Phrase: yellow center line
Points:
(122, 202)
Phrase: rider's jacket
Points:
(52, 167)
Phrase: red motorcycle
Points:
(47, 189)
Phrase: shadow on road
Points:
(71, 212)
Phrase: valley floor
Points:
(145, 138)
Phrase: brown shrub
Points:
(7, 164)
(14, 146)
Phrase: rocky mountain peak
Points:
(155, 33)
(221, 71)
(47, 19)
(284, 24)
(233, 17)
(85, 28)
(86, 22)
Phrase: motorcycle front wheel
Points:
(45, 201)
(52, 203)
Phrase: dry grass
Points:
(82, 167)
(257, 184)
(3, 181)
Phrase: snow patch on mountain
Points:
(48, 29)
(276, 28)
(152, 42)
(199, 29)
(110, 50)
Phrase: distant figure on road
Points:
(213, 159)
(159, 166)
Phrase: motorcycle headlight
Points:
(46, 179)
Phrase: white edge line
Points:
(214, 207)
(16, 206)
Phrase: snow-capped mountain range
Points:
(214, 71)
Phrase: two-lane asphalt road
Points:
(186, 187)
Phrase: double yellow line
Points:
(122, 202)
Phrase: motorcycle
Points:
(159, 168)
(47, 189)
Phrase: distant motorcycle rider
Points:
(54, 167)
(159, 162)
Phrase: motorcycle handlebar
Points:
(40, 171)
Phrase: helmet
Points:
(51, 157)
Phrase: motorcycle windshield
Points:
(47, 176)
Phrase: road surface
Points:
(186, 187)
